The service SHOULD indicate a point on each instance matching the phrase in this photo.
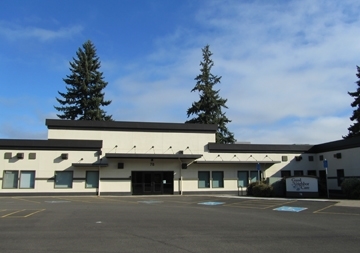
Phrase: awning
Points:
(237, 162)
(152, 156)
(87, 165)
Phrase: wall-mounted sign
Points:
(302, 186)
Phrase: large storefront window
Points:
(10, 179)
(204, 179)
(217, 179)
(63, 179)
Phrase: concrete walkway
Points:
(347, 202)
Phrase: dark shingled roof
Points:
(129, 126)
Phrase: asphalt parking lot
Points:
(176, 224)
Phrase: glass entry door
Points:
(152, 182)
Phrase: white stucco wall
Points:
(144, 141)
(114, 180)
(45, 165)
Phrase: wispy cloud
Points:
(16, 32)
(286, 67)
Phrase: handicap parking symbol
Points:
(151, 202)
(290, 209)
(211, 203)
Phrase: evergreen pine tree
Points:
(84, 97)
(208, 109)
(354, 130)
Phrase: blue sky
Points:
(286, 66)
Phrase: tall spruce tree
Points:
(354, 130)
(84, 97)
(208, 109)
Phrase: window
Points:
(217, 179)
(311, 173)
(7, 155)
(92, 179)
(204, 179)
(284, 158)
(63, 179)
(340, 176)
(27, 179)
(321, 157)
(285, 173)
(254, 175)
(10, 179)
(243, 178)
(311, 158)
(298, 173)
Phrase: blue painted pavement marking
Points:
(290, 209)
(151, 202)
(57, 201)
(210, 203)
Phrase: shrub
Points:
(351, 188)
(250, 188)
(262, 190)
(356, 193)
(279, 188)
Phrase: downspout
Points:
(181, 182)
(99, 183)
(181, 179)
(99, 160)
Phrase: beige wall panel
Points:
(190, 185)
(125, 141)
(123, 186)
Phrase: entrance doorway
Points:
(152, 182)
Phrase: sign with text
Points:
(302, 186)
